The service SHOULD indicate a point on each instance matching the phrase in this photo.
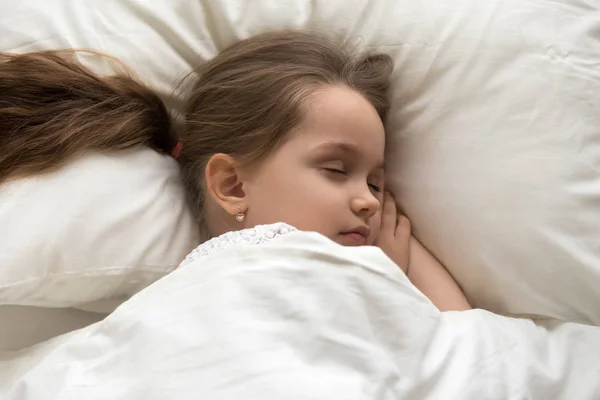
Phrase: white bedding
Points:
(493, 151)
(304, 318)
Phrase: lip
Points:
(358, 235)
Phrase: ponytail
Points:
(53, 109)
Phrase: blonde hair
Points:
(249, 97)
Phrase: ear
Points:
(224, 183)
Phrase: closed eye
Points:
(375, 188)
(335, 171)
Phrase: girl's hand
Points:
(394, 236)
(426, 272)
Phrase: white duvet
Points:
(301, 317)
(494, 153)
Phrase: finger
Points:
(403, 228)
(388, 214)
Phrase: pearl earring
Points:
(240, 216)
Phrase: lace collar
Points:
(252, 236)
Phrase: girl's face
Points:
(328, 175)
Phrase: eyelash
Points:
(375, 188)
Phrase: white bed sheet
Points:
(304, 318)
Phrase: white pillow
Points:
(495, 150)
(101, 228)
(494, 128)
(23, 326)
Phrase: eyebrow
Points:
(345, 147)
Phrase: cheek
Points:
(305, 200)
(274, 196)
(264, 194)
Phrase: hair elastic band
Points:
(177, 150)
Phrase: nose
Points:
(365, 204)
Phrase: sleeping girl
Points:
(283, 127)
